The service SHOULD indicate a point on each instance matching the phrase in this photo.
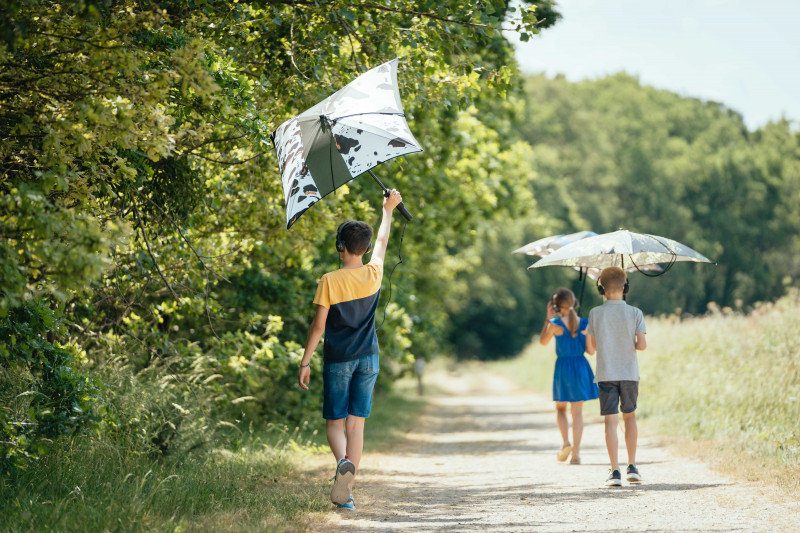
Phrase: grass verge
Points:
(726, 386)
(266, 485)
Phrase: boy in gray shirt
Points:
(616, 330)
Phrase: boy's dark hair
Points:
(355, 236)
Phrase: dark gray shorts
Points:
(618, 393)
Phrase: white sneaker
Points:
(633, 476)
(614, 479)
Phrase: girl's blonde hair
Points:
(565, 297)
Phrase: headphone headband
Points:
(602, 291)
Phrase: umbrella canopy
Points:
(546, 246)
(621, 248)
(350, 132)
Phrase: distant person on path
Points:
(419, 368)
(616, 331)
(346, 300)
(573, 379)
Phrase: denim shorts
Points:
(347, 387)
(615, 394)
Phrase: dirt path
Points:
(483, 459)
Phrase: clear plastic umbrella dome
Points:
(548, 245)
(621, 248)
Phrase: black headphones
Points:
(340, 247)
(602, 291)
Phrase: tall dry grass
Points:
(733, 379)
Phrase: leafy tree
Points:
(139, 192)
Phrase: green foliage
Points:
(614, 153)
(500, 310)
(139, 193)
(270, 482)
(43, 393)
(96, 487)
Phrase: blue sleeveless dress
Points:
(573, 379)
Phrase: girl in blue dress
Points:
(573, 380)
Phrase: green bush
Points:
(43, 394)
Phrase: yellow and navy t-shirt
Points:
(351, 296)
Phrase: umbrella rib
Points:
(368, 113)
(672, 260)
(377, 131)
(330, 162)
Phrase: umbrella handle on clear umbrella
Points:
(386, 192)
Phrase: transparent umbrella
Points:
(548, 245)
(624, 249)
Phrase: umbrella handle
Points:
(387, 192)
(400, 206)
(404, 211)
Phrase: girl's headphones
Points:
(602, 291)
(340, 247)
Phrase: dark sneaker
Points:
(632, 475)
(343, 481)
(614, 479)
(350, 505)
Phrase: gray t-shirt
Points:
(615, 325)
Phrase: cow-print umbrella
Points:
(345, 135)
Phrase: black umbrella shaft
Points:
(400, 207)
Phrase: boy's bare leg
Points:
(576, 408)
(334, 430)
(355, 438)
(339, 442)
(631, 435)
(612, 442)
(563, 423)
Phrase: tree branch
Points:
(186, 240)
(212, 141)
(425, 14)
(85, 41)
(230, 163)
(149, 251)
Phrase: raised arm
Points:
(549, 329)
(382, 239)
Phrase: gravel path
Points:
(483, 459)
